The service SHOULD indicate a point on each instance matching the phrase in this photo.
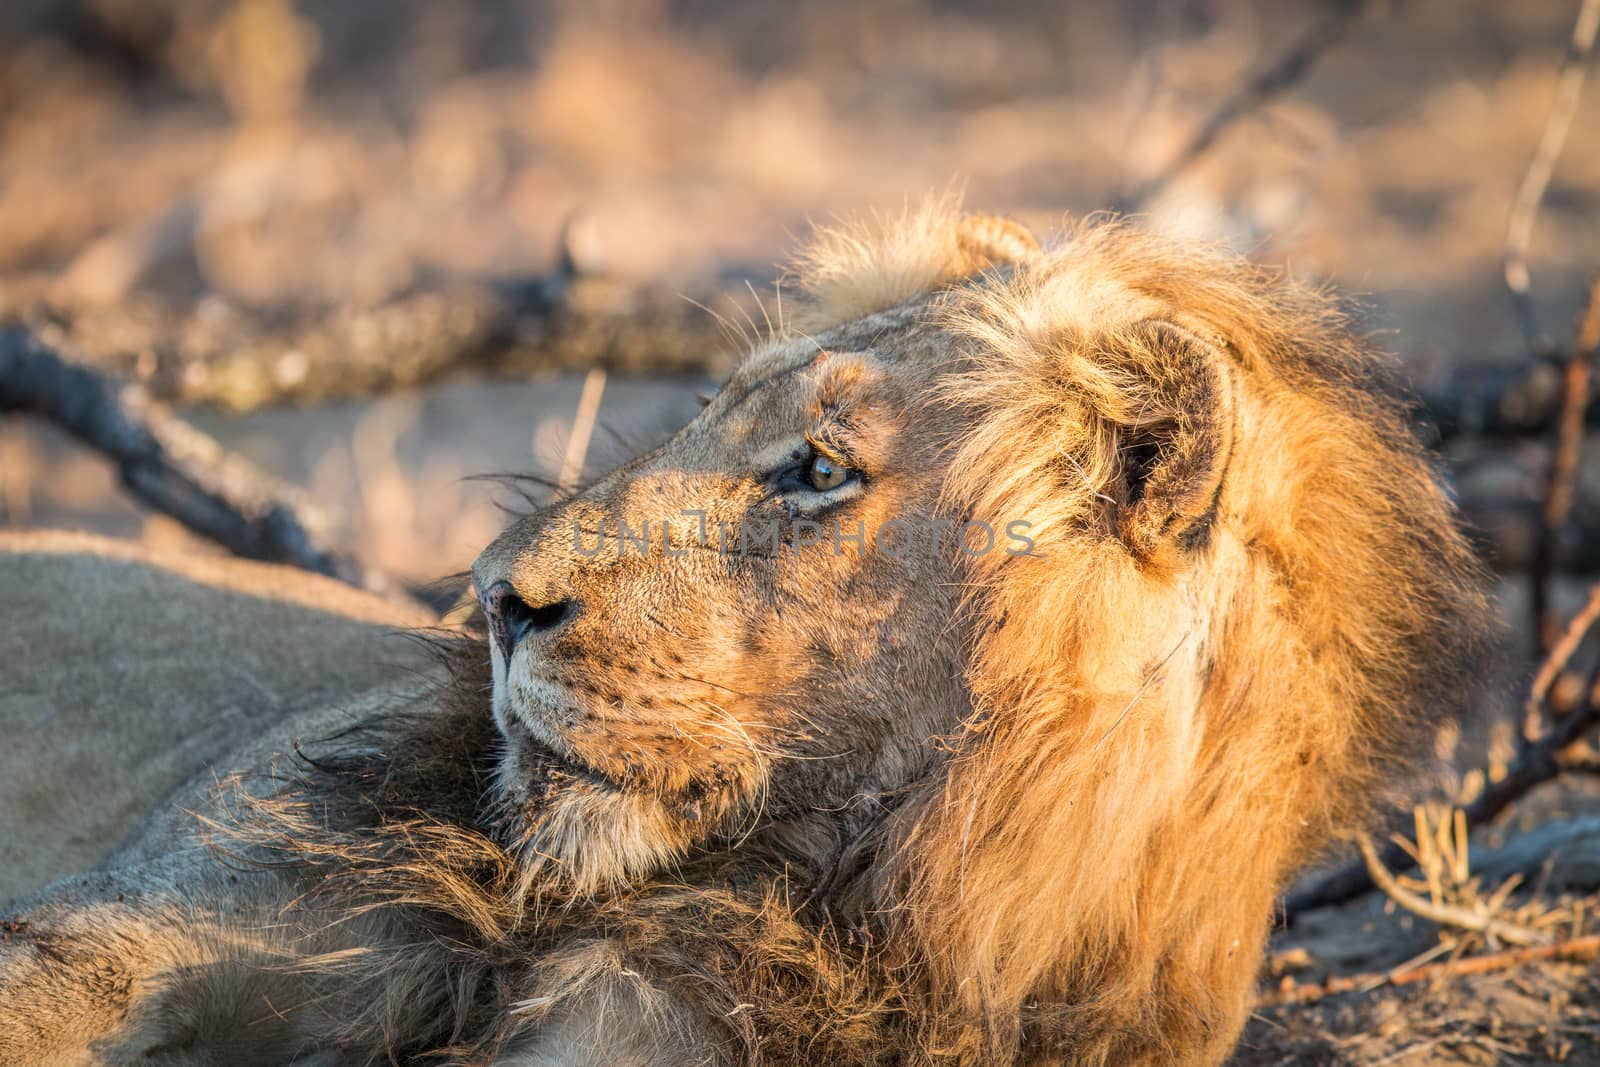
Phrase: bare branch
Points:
(1564, 854)
(240, 362)
(1494, 400)
(167, 463)
(1536, 180)
(1264, 87)
(1562, 479)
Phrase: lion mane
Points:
(1249, 605)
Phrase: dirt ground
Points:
(270, 158)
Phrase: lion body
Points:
(121, 707)
(819, 802)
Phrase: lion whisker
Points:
(771, 333)
(736, 335)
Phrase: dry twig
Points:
(167, 463)
(1561, 482)
(1536, 180)
(1440, 912)
(1260, 90)
(1536, 706)
(1572, 950)
(594, 384)
(1535, 764)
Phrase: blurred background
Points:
(379, 248)
(224, 164)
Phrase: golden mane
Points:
(1157, 745)
(859, 266)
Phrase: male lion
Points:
(960, 686)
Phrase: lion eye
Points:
(826, 474)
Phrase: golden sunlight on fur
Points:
(824, 803)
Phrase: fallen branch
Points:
(237, 362)
(1572, 950)
(167, 463)
(1260, 90)
(1494, 400)
(564, 321)
(1534, 764)
(1506, 533)
(1561, 855)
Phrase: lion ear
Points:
(1175, 442)
(985, 241)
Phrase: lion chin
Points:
(565, 821)
(1173, 593)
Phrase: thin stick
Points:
(1572, 950)
(1536, 763)
(1561, 483)
(1441, 913)
(1260, 90)
(1536, 179)
(1560, 654)
(594, 385)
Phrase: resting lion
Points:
(960, 686)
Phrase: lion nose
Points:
(511, 618)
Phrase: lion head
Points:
(1075, 594)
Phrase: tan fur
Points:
(824, 804)
(106, 679)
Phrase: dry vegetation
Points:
(370, 248)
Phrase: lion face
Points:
(732, 628)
